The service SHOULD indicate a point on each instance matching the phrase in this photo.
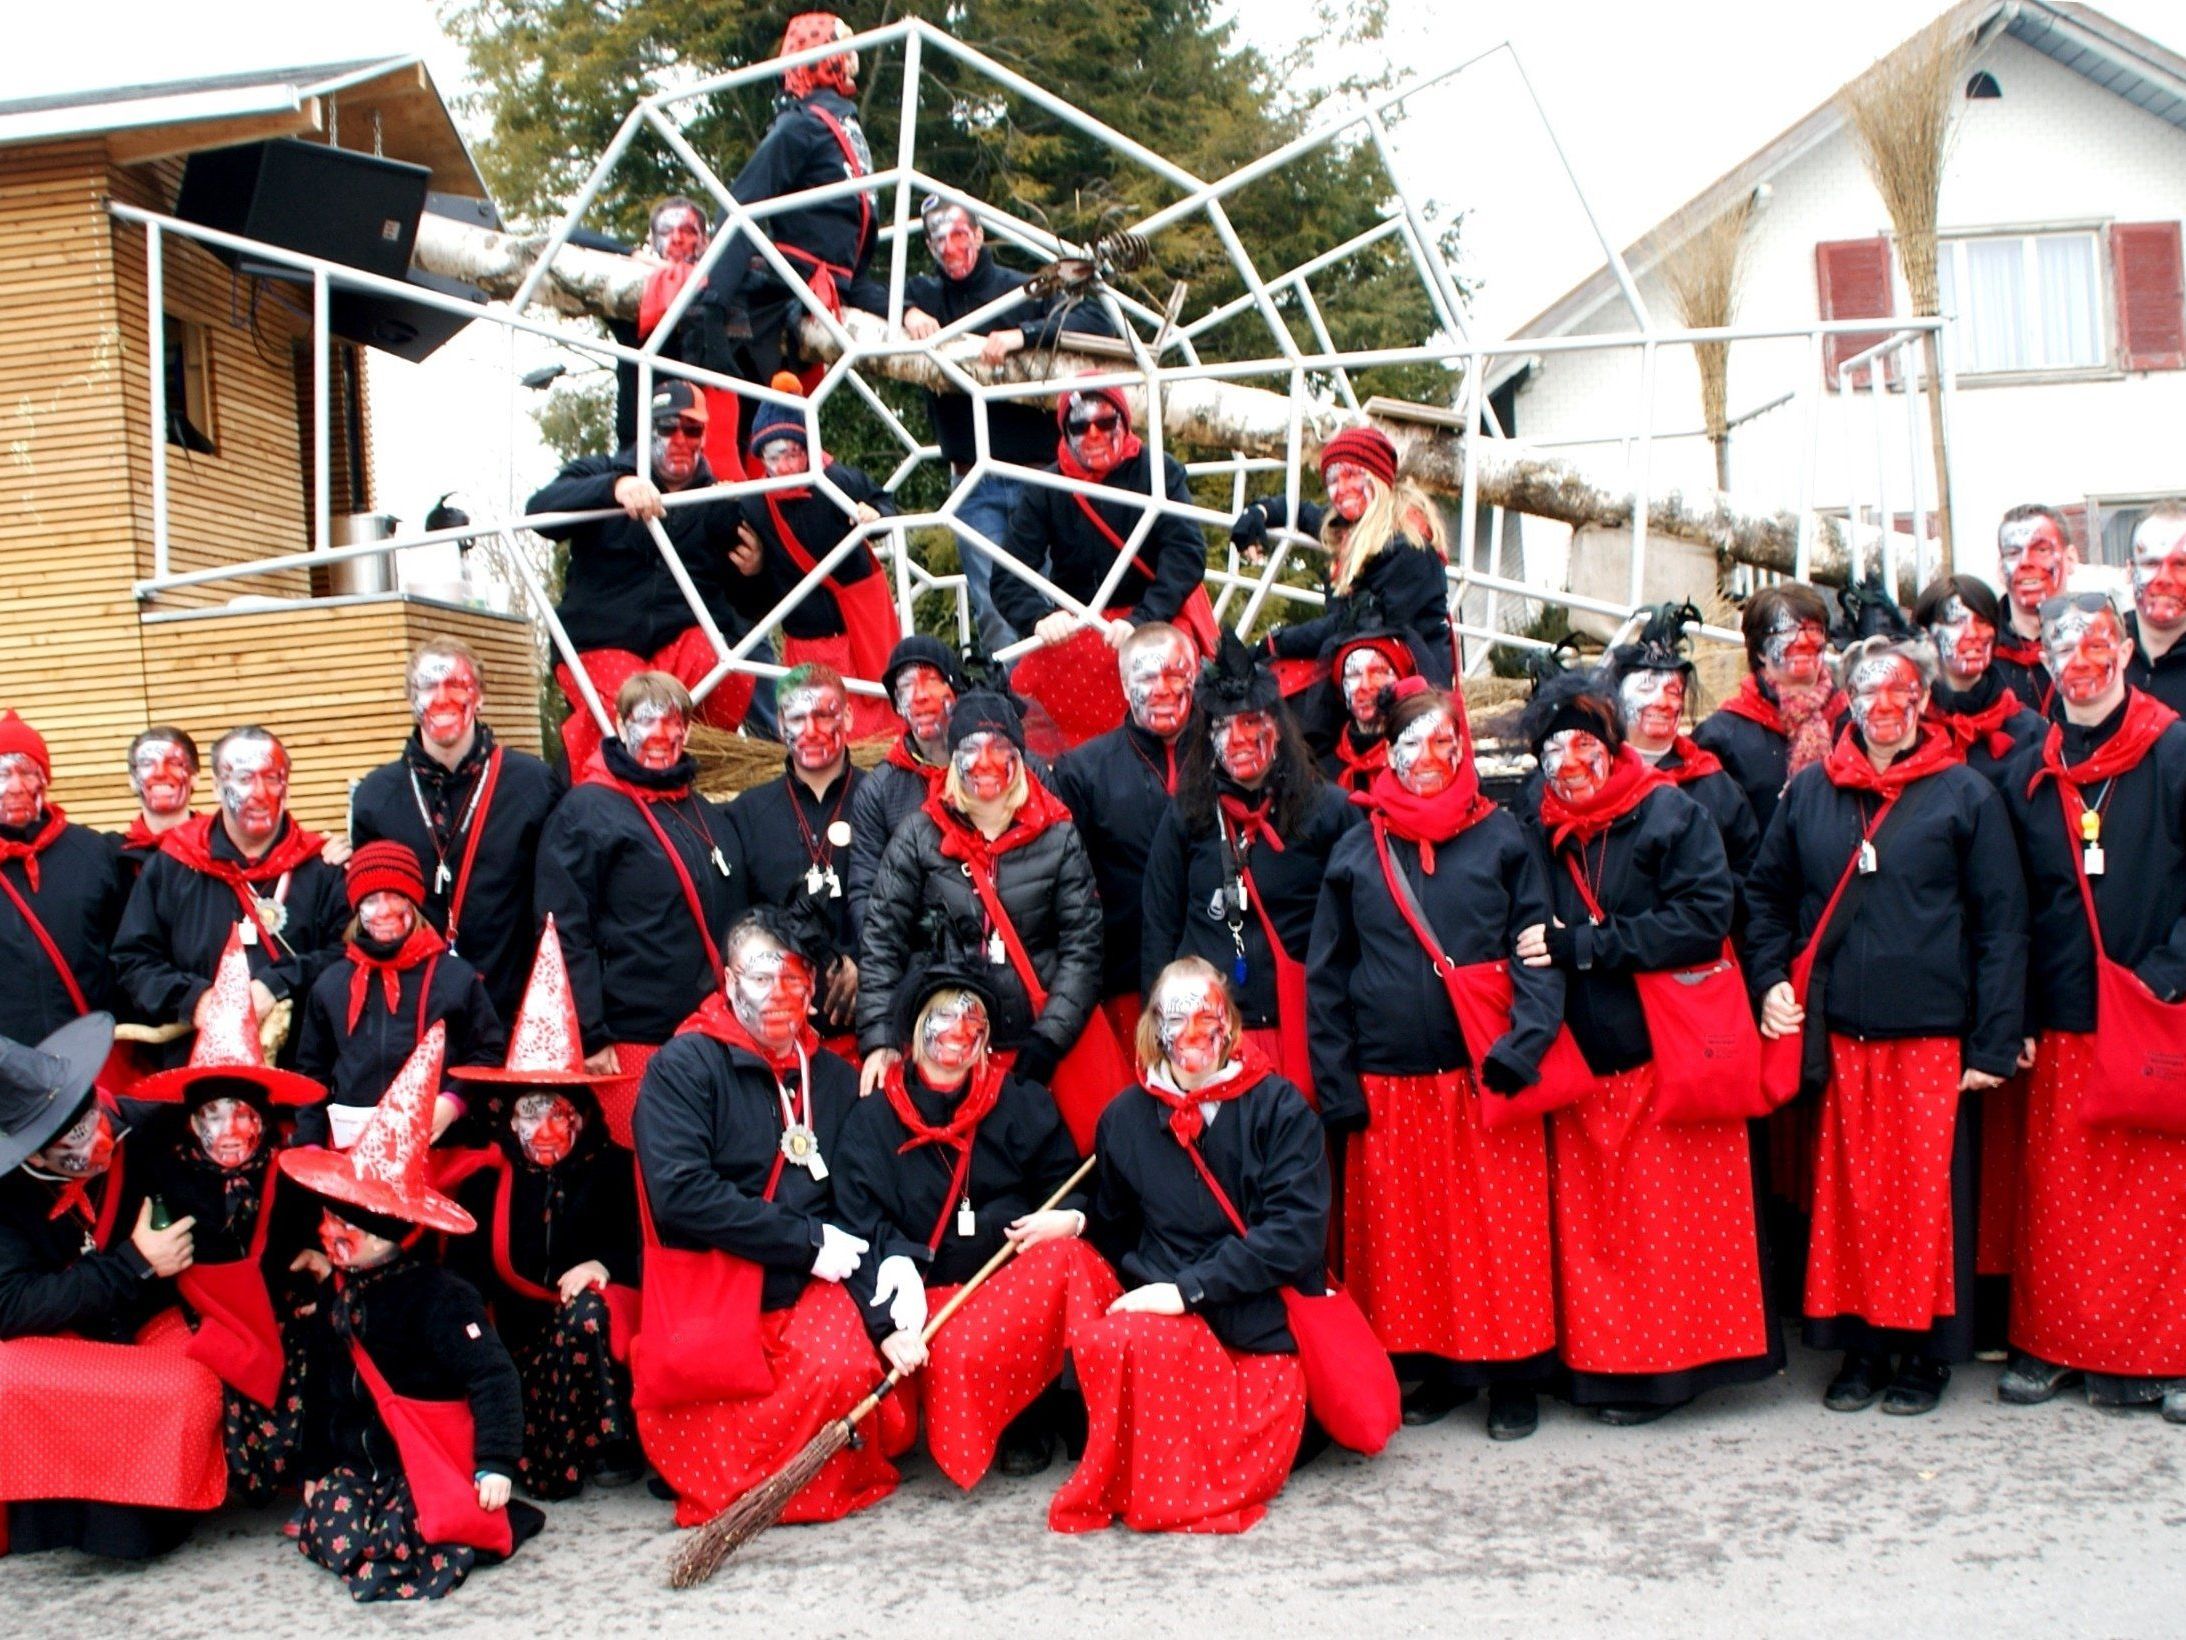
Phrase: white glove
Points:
(839, 1256)
(898, 1285)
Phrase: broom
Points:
(700, 1555)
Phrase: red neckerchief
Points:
(1072, 467)
(2145, 720)
(1186, 1120)
(596, 774)
(1850, 767)
(1965, 728)
(715, 1018)
(140, 835)
(982, 1093)
(1631, 778)
(904, 755)
(191, 843)
(1694, 761)
(1250, 821)
(2019, 651)
(1426, 820)
(1359, 768)
(423, 944)
(961, 840)
(43, 839)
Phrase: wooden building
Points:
(81, 656)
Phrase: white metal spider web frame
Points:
(1179, 375)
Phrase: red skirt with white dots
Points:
(2100, 1282)
(1182, 1434)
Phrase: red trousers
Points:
(688, 660)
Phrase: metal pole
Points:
(906, 154)
(1643, 497)
(577, 207)
(322, 503)
(155, 306)
(1810, 442)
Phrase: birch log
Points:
(1219, 414)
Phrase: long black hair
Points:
(1292, 787)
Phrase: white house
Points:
(2061, 273)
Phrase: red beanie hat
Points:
(16, 736)
(1367, 447)
(385, 866)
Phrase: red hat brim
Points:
(543, 1079)
(286, 1088)
(327, 1173)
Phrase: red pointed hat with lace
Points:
(228, 1044)
(384, 1171)
(545, 1049)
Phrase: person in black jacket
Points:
(620, 603)
(1234, 871)
(923, 680)
(1361, 669)
(1194, 1397)
(471, 810)
(2158, 621)
(1787, 708)
(1445, 1219)
(2035, 549)
(969, 280)
(1919, 981)
(163, 777)
(62, 889)
(1971, 702)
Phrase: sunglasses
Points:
(679, 427)
(1085, 424)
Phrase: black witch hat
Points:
(1661, 646)
(1237, 679)
(43, 1088)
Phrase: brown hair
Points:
(654, 689)
(1969, 590)
(165, 731)
(1800, 600)
(1148, 1040)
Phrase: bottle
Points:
(161, 1217)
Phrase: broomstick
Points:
(700, 1555)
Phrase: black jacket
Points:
(1117, 788)
(82, 887)
(818, 524)
(1020, 1156)
(1938, 941)
(617, 593)
(358, 1065)
(2023, 726)
(708, 1130)
(1757, 757)
(1157, 1220)
(1725, 800)
(1185, 916)
(777, 855)
(2163, 677)
(1412, 585)
(1376, 1004)
(499, 933)
(2140, 895)
(888, 795)
(49, 1284)
(2028, 679)
(800, 152)
(1050, 532)
(1666, 889)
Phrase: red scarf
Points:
(141, 835)
(2145, 720)
(982, 1093)
(1127, 447)
(1427, 820)
(904, 756)
(1186, 1120)
(1804, 717)
(1631, 778)
(1359, 768)
(961, 840)
(56, 822)
(1965, 728)
(1694, 762)
(2019, 651)
(715, 1018)
(192, 842)
(1849, 766)
(596, 774)
(423, 945)
(1250, 821)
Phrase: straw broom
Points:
(700, 1555)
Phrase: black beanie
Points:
(984, 712)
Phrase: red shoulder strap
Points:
(1020, 958)
(491, 777)
(683, 878)
(851, 163)
(1093, 516)
(46, 943)
(503, 1265)
(1221, 1196)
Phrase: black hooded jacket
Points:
(358, 1063)
(800, 151)
(1051, 533)
(1411, 585)
(818, 524)
(81, 889)
(1117, 787)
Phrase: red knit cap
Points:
(18, 736)
(385, 866)
(1367, 447)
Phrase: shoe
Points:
(1917, 1388)
(661, 1489)
(1312, 1442)
(1026, 1451)
(1857, 1383)
(2107, 1390)
(1631, 1414)
(1513, 1414)
(2029, 1381)
(1433, 1399)
(2174, 1401)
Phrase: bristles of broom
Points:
(700, 1555)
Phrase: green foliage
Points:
(578, 418)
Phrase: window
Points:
(2024, 302)
(2114, 519)
(189, 385)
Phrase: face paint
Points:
(923, 701)
(546, 1127)
(679, 235)
(85, 1151)
(161, 776)
(2159, 574)
(955, 239)
(1425, 757)
(814, 727)
(953, 1033)
(1366, 673)
(1096, 433)
(252, 778)
(1887, 695)
(1245, 746)
(1351, 489)
(1158, 680)
(781, 456)
(1192, 1025)
(347, 1247)
(387, 917)
(228, 1131)
(1965, 643)
(987, 765)
(654, 734)
(1792, 652)
(22, 790)
(444, 698)
(1651, 704)
(2036, 557)
(770, 990)
(1575, 764)
(677, 444)
(2085, 650)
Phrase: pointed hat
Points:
(228, 1044)
(545, 1049)
(384, 1171)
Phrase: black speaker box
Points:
(410, 330)
(332, 203)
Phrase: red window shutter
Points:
(1854, 278)
(2151, 290)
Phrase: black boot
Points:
(1028, 1443)
(1513, 1413)
(1434, 1398)
(2029, 1381)
(1858, 1382)
(1631, 1414)
(1917, 1388)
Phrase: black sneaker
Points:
(1433, 1399)
(2029, 1380)
(1917, 1388)
(1858, 1382)
(1513, 1414)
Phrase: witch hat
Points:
(228, 1043)
(545, 1049)
(384, 1171)
(43, 1088)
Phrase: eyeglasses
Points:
(680, 427)
(1107, 423)
(2092, 603)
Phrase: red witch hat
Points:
(384, 1171)
(228, 1045)
(545, 1049)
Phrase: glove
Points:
(1563, 945)
(1037, 1059)
(898, 1285)
(840, 1255)
(1250, 528)
(1501, 1076)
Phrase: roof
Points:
(2077, 36)
(389, 102)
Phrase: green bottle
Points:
(161, 1218)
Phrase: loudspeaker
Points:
(332, 203)
(410, 330)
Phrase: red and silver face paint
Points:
(251, 776)
(779, 457)
(1575, 764)
(1426, 757)
(770, 991)
(1158, 680)
(228, 1131)
(1192, 1025)
(654, 734)
(1792, 652)
(161, 775)
(84, 1152)
(956, 240)
(1366, 673)
(22, 790)
(386, 917)
(1245, 746)
(2086, 651)
(2036, 558)
(1351, 489)
(678, 442)
(1887, 695)
(679, 235)
(952, 1034)
(987, 765)
(444, 698)
(1652, 704)
(546, 1126)
(347, 1247)
(815, 726)
(924, 700)
(1965, 643)
(1096, 432)
(2159, 573)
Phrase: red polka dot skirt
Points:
(1077, 683)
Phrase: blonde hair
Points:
(1402, 508)
(452, 648)
(953, 793)
(953, 996)
(1148, 1040)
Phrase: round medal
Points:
(838, 833)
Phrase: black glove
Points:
(1037, 1059)
(1251, 527)
(1563, 945)
(1501, 1076)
